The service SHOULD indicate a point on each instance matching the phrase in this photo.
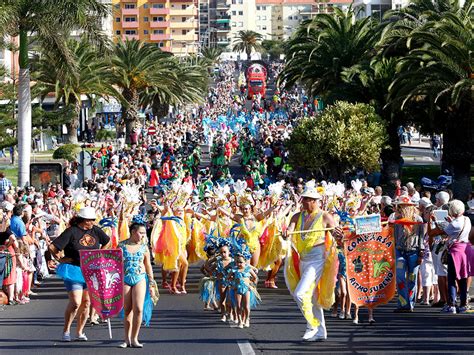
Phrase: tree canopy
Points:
(343, 138)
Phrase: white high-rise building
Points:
(242, 17)
(375, 8)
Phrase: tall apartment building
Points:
(278, 19)
(172, 24)
(221, 20)
(214, 23)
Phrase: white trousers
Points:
(311, 268)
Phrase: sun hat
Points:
(87, 213)
(311, 192)
(404, 200)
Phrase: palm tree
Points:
(401, 22)
(49, 21)
(211, 54)
(437, 71)
(189, 86)
(137, 67)
(87, 74)
(247, 41)
(372, 79)
(322, 48)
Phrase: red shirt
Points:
(154, 179)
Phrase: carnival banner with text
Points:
(371, 274)
(103, 272)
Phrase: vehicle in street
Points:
(256, 80)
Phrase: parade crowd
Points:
(163, 203)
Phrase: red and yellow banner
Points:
(371, 275)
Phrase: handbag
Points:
(444, 257)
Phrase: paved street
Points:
(180, 326)
(419, 153)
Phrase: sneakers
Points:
(81, 337)
(310, 333)
(319, 336)
(462, 309)
(445, 308)
(450, 310)
(66, 337)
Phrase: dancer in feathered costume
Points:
(244, 281)
(223, 265)
(250, 224)
(208, 292)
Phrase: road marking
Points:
(245, 347)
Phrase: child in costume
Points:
(222, 266)
(208, 292)
(342, 295)
(244, 278)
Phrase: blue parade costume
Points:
(133, 275)
(72, 276)
(208, 291)
(241, 287)
(224, 271)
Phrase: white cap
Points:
(470, 204)
(443, 196)
(410, 185)
(311, 192)
(8, 206)
(387, 200)
(425, 202)
(87, 213)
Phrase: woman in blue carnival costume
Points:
(82, 234)
(138, 277)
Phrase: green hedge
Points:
(67, 152)
(105, 134)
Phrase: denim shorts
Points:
(74, 286)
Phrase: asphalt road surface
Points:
(181, 326)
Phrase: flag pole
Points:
(110, 328)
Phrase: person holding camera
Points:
(457, 229)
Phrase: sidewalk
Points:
(416, 144)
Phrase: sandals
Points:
(271, 284)
(174, 291)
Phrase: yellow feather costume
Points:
(251, 236)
